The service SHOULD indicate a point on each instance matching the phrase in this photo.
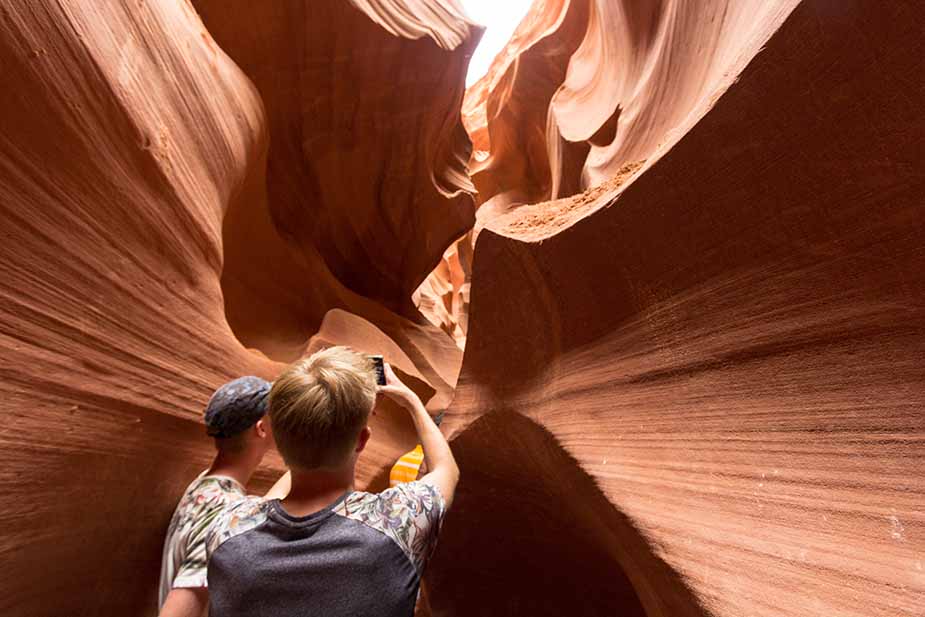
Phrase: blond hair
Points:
(319, 405)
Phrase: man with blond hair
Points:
(327, 549)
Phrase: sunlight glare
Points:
(500, 18)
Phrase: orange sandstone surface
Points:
(662, 264)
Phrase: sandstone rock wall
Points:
(693, 384)
(123, 135)
(706, 398)
(133, 178)
(366, 170)
(584, 95)
(587, 87)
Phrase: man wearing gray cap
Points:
(235, 418)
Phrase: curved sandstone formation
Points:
(706, 398)
(133, 177)
(443, 297)
(695, 356)
(366, 168)
(126, 135)
(589, 90)
(590, 86)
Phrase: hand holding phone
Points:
(398, 391)
(379, 366)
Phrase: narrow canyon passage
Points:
(661, 265)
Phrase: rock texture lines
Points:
(688, 287)
(713, 387)
(135, 215)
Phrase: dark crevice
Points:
(531, 534)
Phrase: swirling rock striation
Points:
(693, 387)
(706, 397)
(136, 226)
(589, 90)
(589, 86)
(366, 170)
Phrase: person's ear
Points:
(262, 427)
(363, 439)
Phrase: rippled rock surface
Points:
(690, 298)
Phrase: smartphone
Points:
(379, 365)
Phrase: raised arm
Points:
(281, 488)
(444, 473)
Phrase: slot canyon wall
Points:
(695, 387)
(145, 260)
(688, 287)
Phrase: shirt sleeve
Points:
(410, 513)
(192, 565)
(191, 574)
(234, 519)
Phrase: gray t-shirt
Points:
(361, 556)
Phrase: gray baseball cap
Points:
(237, 406)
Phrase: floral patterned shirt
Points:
(184, 560)
(363, 555)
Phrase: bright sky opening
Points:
(500, 18)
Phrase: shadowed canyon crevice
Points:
(572, 552)
(662, 264)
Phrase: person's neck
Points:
(315, 489)
(239, 466)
